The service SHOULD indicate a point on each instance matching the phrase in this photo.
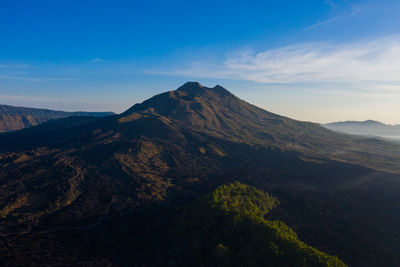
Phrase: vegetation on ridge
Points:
(228, 228)
(80, 175)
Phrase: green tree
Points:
(228, 228)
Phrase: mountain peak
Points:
(195, 88)
(191, 84)
(373, 122)
(191, 87)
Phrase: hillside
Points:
(228, 228)
(17, 118)
(106, 190)
(217, 113)
(368, 128)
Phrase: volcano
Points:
(105, 190)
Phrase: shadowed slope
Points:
(17, 118)
(74, 178)
(216, 112)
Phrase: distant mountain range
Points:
(368, 128)
(109, 191)
(17, 118)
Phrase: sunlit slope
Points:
(74, 173)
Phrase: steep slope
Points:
(17, 118)
(218, 113)
(106, 189)
(215, 112)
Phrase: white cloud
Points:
(358, 64)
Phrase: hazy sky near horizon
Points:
(318, 61)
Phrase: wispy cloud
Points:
(28, 73)
(356, 63)
(13, 66)
(340, 14)
(6, 98)
(338, 18)
(330, 3)
(97, 59)
(34, 79)
(327, 21)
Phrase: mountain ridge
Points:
(14, 118)
(217, 112)
(221, 114)
(367, 128)
(86, 179)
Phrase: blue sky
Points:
(319, 61)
